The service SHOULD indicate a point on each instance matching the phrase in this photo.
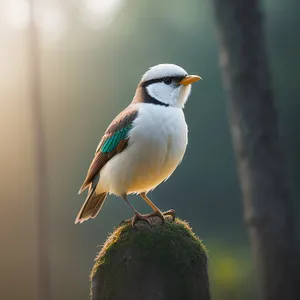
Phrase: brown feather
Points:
(91, 207)
(124, 119)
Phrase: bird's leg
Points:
(157, 212)
(137, 216)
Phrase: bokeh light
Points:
(99, 14)
(16, 13)
(50, 17)
(52, 20)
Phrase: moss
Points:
(172, 248)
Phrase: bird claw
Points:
(156, 214)
(136, 218)
(162, 215)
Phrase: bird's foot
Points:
(162, 215)
(135, 218)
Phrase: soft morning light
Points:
(51, 19)
(99, 14)
(17, 13)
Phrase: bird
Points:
(143, 145)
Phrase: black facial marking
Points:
(148, 99)
(166, 80)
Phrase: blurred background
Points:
(92, 55)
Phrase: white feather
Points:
(157, 144)
(163, 70)
(172, 94)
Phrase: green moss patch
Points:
(170, 246)
(166, 259)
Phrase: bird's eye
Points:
(167, 80)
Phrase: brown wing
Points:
(114, 141)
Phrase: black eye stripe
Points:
(174, 78)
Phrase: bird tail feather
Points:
(91, 207)
(92, 204)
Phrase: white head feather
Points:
(163, 70)
(171, 94)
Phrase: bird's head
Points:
(165, 84)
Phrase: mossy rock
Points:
(160, 262)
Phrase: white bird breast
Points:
(157, 145)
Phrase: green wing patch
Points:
(112, 142)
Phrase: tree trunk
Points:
(164, 262)
(42, 198)
(254, 127)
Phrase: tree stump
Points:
(161, 262)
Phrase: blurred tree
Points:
(254, 127)
(42, 198)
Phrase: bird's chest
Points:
(160, 136)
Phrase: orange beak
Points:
(190, 79)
